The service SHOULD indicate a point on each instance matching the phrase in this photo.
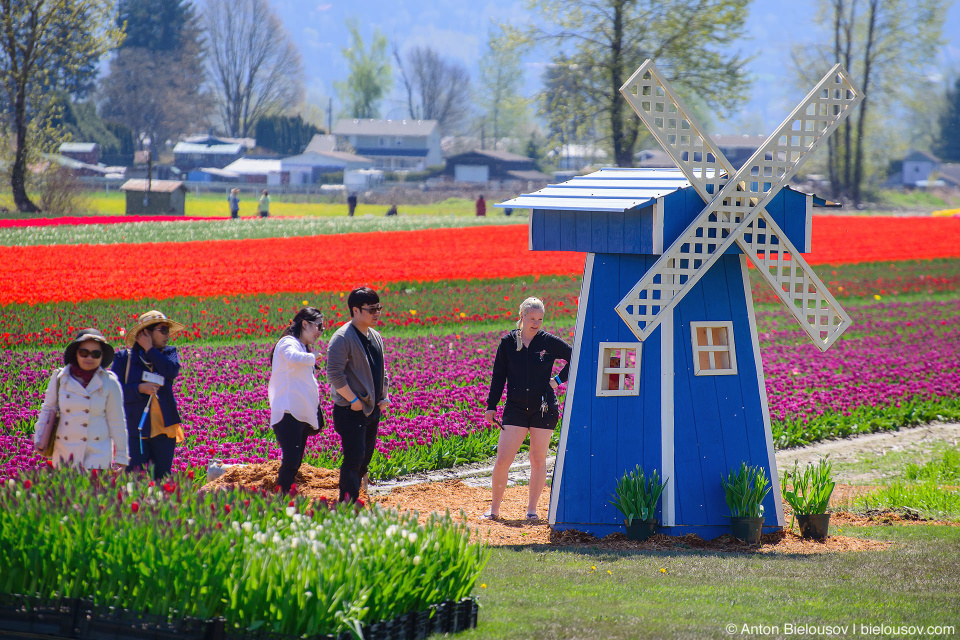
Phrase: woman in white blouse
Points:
(294, 392)
(93, 430)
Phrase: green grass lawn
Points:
(554, 593)
(214, 205)
(211, 205)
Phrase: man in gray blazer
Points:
(358, 385)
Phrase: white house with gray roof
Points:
(393, 145)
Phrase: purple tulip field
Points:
(898, 365)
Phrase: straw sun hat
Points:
(148, 319)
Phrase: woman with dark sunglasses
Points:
(92, 432)
(294, 392)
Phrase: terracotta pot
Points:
(814, 525)
(746, 529)
(640, 530)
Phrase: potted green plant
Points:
(810, 497)
(636, 497)
(745, 490)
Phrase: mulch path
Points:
(514, 529)
(311, 482)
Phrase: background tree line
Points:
(186, 66)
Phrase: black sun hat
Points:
(70, 354)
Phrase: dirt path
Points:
(852, 449)
(840, 451)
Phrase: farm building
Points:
(85, 152)
(482, 166)
(393, 145)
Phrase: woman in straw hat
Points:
(92, 431)
(147, 369)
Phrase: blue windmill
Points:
(666, 368)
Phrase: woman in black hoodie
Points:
(524, 363)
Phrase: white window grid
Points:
(714, 353)
(618, 369)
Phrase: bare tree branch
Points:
(253, 67)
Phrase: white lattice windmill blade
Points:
(782, 266)
(738, 204)
(677, 131)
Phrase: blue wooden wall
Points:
(593, 231)
(608, 436)
(718, 420)
(633, 231)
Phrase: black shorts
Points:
(531, 418)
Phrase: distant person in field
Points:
(147, 370)
(392, 211)
(351, 203)
(233, 201)
(92, 431)
(263, 205)
(359, 386)
(524, 362)
(481, 206)
(294, 393)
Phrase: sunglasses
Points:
(376, 309)
(86, 353)
(162, 328)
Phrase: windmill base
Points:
(707, 532)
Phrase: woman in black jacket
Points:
(524, 362)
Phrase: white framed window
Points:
(713, 349)
(618, 371)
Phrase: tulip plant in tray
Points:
(261, 561)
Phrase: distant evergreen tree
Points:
(283, 134)
(948, 148)
(154, 24)
(155, 85)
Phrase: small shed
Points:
(165, 197)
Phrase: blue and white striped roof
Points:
(612, 189)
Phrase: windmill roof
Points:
(612, 189)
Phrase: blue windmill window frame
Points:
(609, 370)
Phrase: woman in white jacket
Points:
(294, 393)
(93, 429)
